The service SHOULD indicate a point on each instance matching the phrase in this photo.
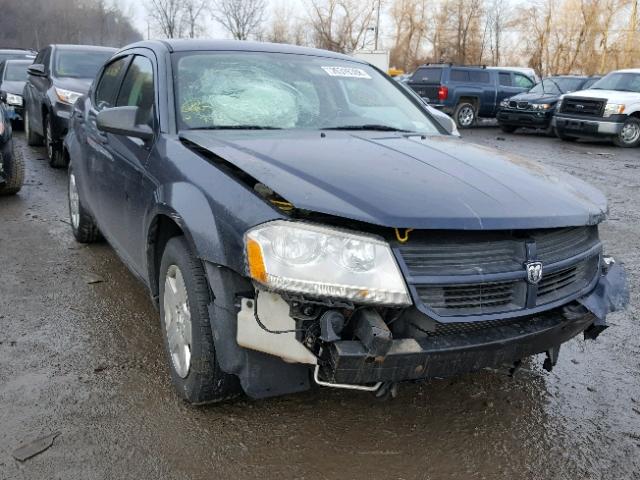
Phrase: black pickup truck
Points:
(467, 92)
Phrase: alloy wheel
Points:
(466, 116)
(74, 202)
(177, 321)
(630, 133)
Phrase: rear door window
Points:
(459, 75)
(427, 75)
(479, 77)
(505, 79)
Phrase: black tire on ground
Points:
(508, 128)
(33, 139)
(84, 227)
(565, 138)
(629, 136)
(465, 115)
(204, 382)
(14, 173)
(54, 151)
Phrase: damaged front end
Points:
(443, 307)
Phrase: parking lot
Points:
(81, 354)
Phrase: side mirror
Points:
(445, 121)
(123, 121)
(37, 69)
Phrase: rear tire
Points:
(508, 128)
(83, 226)
(33, 139)
(14, 171)
(54, 152)
(186, 328)
(629, 136)
(465, 115)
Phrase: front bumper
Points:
(581, 126)
(347, 362)
(15, 112)
(60, 120)
(523, 118)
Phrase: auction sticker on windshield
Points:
(346, 72)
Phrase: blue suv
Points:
(467, 92)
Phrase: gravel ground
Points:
(81, 354)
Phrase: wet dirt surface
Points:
(85, 359)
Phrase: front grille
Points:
(562, 283)
(523, 105)
(447, 274)
(465, 328)
(473, 299)
(583, 106)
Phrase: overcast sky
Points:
(139, 13)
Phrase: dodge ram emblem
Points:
(534, 272)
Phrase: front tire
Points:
(465, 115)
(629, 136)
(83, 226)
(33, 139)
(54, 152)
(14, 173)
(186, 328)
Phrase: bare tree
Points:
(341, 25)
(192, 15)
(241, 18)
(167, 15)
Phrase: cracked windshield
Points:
(280, 91)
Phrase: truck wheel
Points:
(186, 328)
(465, 115)
(54, 152)
(82, 224)
(508, 128)
(33, 139)
(14, 170)
(629, 136)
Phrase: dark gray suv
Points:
(59, 75)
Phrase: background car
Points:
(610, 108)
(59, 75)
(16, 54)
(13, 76)
(467, 92)
(11, 162)
(536, 107)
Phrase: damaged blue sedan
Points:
(298, 217)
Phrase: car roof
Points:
(96, 48)
(16, 50)
(26, 61)
(627, 70)
(188, 45)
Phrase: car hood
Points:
(402, 181)
(612, 96)
(12, 87)
(80, 85)
(535, 97)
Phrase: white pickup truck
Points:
(610, 108)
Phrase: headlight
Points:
(324, 262)
(13, 99)
(541, 106)
(613, 109)
(67, 96)
(504, 103)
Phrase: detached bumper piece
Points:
(445, 356)
(348, 362)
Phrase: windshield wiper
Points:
(236, 127)
(378, 128)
